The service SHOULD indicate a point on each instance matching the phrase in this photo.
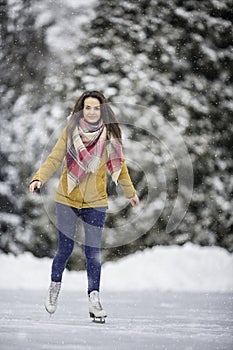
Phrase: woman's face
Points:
(91, 110)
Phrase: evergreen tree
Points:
(174, 56)
(167, 68)
(23, 70)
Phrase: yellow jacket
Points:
(91, 192)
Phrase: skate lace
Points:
(53, 293)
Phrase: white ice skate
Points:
(97, 313)
(52, 296)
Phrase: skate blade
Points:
(100, 320)
(97, 319)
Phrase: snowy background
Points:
(179, 269)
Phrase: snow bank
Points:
(172, 268)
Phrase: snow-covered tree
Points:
(23, 72)
(174, 56)
(166, 66)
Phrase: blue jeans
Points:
(93, 221)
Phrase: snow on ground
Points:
(188, 268)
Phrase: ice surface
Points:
(136, 320)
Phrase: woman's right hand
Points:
(35, 185)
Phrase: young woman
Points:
(91, 144)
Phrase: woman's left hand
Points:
(134, 201)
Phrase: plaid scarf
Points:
(85, 150)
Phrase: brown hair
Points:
(107, 115)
